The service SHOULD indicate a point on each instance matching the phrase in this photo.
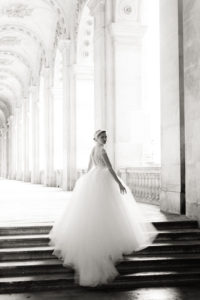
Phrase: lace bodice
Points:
(97, 156)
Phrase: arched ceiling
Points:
(29, 31)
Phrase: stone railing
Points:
(144, 183)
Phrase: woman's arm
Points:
(110, 168)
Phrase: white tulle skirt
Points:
(97, 227)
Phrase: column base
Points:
(171, 202)
(50, 180)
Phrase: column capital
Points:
(10, 120)
(25, 100)
(18, 106)
(34, 89)
(127, 32)
(64, 45)
(47, 73)
(96, 6)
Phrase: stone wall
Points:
(170, 198)
(191, 13)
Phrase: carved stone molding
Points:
(96, 6)
(127, 10)
(127, 33)
(17, 10)
(9, 41)
(3, 77)
(17, 55)
(12, 74)
(8, 87)
(5, 62)
(64, 45)
(19, 29)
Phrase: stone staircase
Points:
(27, 263)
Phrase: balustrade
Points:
(144, 182)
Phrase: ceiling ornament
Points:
(61, 15)
(9, 41)
(3, 77)
(127, 10)
(17, 10)
(18, 56)
(14, 75)
(5, 62)
(8, 87)
(27, 32)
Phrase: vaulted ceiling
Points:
(29, 32)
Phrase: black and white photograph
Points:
(99, 149)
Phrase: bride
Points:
(100, 223)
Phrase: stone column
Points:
(191, 65)
(118, 37)
(4, 152)
(14, 146)
(19, 143)
(125, 90)
(10, 147)
(1, 153)
(172, 198)
(97, 9)
(49, 174)
(103, 72)
(35, 174)
(25, 116)
(69, 115)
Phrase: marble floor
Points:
(22, 202)
(189, 293)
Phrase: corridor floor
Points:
(22, 202)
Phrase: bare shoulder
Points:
(92, 151)
(103, 151)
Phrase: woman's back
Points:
(97, 156)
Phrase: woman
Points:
(100, 223)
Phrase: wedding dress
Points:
(98, 226)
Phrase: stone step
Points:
(33, 267)
(178, 234)
(25, 229)
(13, 241)
(129, 266)
(172, 247)
(35, 229)
(173, 262)
(31, 253)
(45, 252)
(167, 225)
(66, 281)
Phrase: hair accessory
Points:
(97, 133)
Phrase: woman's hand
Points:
(122, 188)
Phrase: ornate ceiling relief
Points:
(5, 62)
(3, 77)
(17, 10)
(12, 74)
(10, 41)
(127, 10)
(18, 56)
